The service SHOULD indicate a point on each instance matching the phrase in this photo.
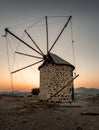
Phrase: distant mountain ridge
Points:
(79, 93)
(85, 93)
(86, 90)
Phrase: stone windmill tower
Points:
(56, 74)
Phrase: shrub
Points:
(35, 91)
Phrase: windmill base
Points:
(52, 79)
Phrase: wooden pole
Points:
(63, 87)
(47, 33)
(6, 30)
(60, 33)
(34, 42)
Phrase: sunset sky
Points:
(85, 23)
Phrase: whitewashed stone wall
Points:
(52, 79)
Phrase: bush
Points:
(35, 91)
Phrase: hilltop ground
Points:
(29, 114)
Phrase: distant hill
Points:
(86, 90)
(83, 92)
(79, 90)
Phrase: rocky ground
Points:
(30, 114)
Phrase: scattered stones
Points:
(16, 115)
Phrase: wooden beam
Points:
(33, 42)
(60, 33)
(26, 67)
(6, 30)
(28, 55)
(63, 87)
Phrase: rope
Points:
(15, 62)
(7, 51)
(24, 23)
(9, 68)
(73, 47)
(38, 21)
(21, 76)
(58, 16)
(34, 23)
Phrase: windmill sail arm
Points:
(60, 33)
(46, 32)
(28, 55)
(26, 67)
(6, 30)
(33, 42)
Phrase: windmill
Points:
(56, 74)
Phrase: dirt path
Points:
(28, 114)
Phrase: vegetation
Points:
(35, 91)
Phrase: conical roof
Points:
(54, 59)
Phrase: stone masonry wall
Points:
(52, 79)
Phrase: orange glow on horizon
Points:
(5, 84)
(16, 87)
(21, 87)
(86, 84)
